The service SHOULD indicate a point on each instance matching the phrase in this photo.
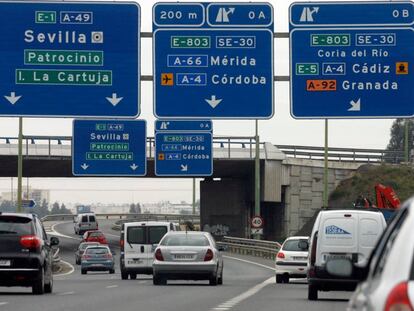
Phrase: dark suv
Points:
(26, 255)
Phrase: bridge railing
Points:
(343, 154)
(60, 146)
(224, 147)
(259, 248)
(124, 216)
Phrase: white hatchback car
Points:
(389, 283)
(292, 259)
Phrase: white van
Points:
(341, 234)
(85, 222)
(138, 242)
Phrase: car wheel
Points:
(286, 278)
(279, 278)
(213, 280)
(133, 276)
(159, 280)
(49, 287)
(124, 275)
(112, 271)
(38, 287)
(220, 279)
(312, 292)
(83, 271)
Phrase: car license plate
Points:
(134, 261)
(300, 258)
(5, 263)
(338, 256)
(97, 265)
(183, 257)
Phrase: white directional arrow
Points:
(355, 105)
(84, 166)
(12, 99)
(114, 100)
(213, 101)
(133, 166)
(184, 168)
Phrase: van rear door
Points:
(370, 229)
(338, 237)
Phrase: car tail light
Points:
(108, 256)
(398, 299)
(158, 255)
(122, 244)
(280, 255)
(30, 241)
(84, 257)
(209, 255)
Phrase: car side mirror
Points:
(341, 267)
(303, 245)
(54, 241)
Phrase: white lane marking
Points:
(54, 232)
(142, 282)
(4, 303)
(72, 269)
(113, 235)
(66, 293)
(221, 309)
(247, 294)
(112, 286)
(250, 262)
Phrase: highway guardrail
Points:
(259, 248)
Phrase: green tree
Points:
(55, 208)
(395, 146)
(132, 209)
(138, 209)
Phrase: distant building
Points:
(37, 195)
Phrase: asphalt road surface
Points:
(249, 285)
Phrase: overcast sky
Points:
(281, 129)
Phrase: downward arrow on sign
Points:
(213, 101)
(12, 99)
(114, 100)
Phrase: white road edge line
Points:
(72, 269)
(66, 293)
(4, 303)
(247, 294)
(112, 286)
(54, 232)
(250, 262)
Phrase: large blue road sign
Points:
(109, 148)
(183, 148)
(28, 203)
(351, 72)
(69, 59)
(213, 60)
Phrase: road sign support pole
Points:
(20, 167)
(194, 195)
(406, 151)
(257, 177)
(325, 172)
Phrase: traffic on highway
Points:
(270, 227)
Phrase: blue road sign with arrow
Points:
(183, 148)
(28, 203)
(69, 59)
(109, 148)
(352, 60)
(213, 60)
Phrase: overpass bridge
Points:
(291, 178)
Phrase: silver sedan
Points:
(191, 255)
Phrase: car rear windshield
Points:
(293, 246)
(15, 225)
(85, 218)
(85, 245)
(156, 233)
(97, 250)
(185, 240)
(92, 218)
(136, 235)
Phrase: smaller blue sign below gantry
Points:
(183, 148)
(109, 148)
